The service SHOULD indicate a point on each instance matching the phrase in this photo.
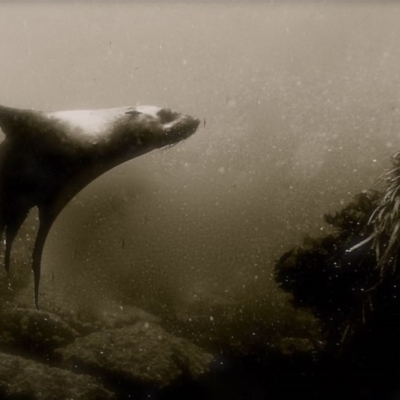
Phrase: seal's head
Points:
(150, 127)
(124, 132)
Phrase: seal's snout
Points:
(188, 124)
(176, 126)
(194, 123)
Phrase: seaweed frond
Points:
(386, 220)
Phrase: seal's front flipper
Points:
(11, 229)
(11, 232)
(45, 222)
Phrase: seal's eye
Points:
(133, 113)
(166, 116)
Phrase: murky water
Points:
(301, 111)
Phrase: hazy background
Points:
(301, 102)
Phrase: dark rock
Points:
(25, 379)
(32, 332)
(84, 316)
(119, 317)
(143, 354)
(289, 347)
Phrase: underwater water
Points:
(300, 112)
(300, 104)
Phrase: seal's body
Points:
(47, 158)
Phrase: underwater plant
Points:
(351, 286)
(322, 276)
(354, 294)
(339, 276)
(385, 220)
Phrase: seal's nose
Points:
(193, 124)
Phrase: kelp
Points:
(323, 277)
(350, 277)
(385, 220)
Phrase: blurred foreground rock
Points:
(143, 354)
(38, 333)
(119, 317)
(25, 379)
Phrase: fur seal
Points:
(47, 158)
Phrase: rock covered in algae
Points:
(25, 379)
(143, 354)
(26, 330)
